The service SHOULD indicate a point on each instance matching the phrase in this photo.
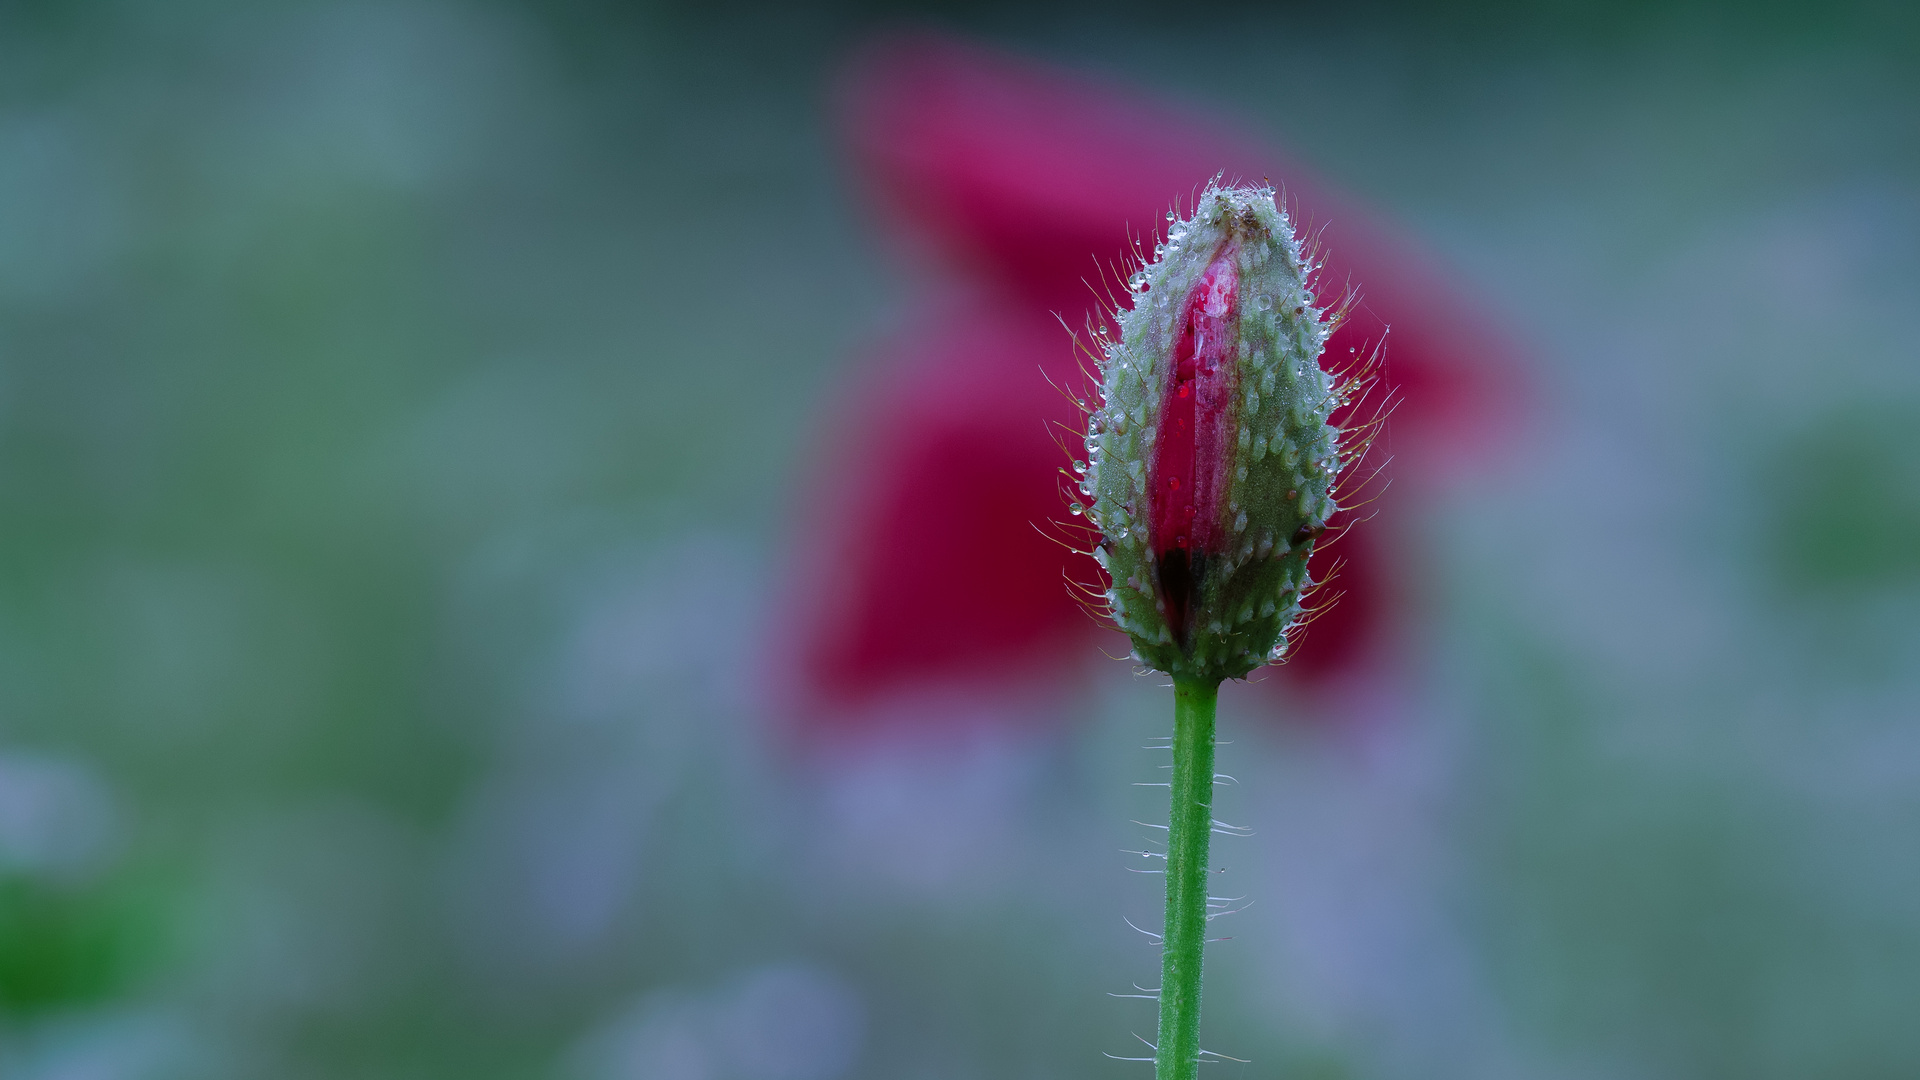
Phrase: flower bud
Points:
(1211, 461)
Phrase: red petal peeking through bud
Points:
(1193, 456)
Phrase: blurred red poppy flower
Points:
(1024, 187)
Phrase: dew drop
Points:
(1263, 302)
(1080, 467)
(1076, 509)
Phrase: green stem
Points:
(1190, 825)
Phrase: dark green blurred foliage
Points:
(1846, 502)
(68, 945)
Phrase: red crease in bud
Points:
(1193, 458)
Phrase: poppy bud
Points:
(1211, 462)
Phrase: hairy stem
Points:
(1190, 824)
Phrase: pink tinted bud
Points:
(1212, 459)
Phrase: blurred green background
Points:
(401, 405)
